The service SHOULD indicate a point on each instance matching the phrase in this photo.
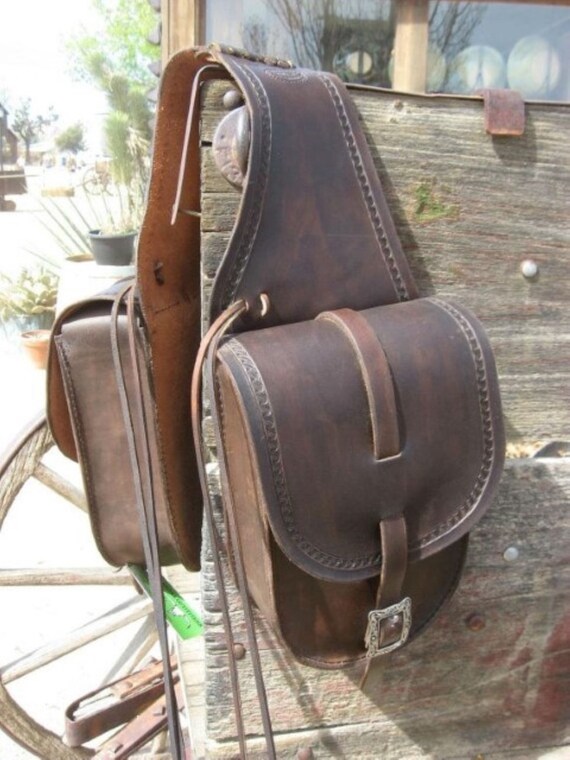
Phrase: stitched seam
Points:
(366, 190)
(277, 467)
(78, 426)
(485, 469)
(249, 234)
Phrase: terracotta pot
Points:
(36, 345)
(112, 250)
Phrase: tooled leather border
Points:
(248, 236)
(486, 422)
(278, 469)
(367, 195)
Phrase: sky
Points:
(34, 63)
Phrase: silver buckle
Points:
(375, 618)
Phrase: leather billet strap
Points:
(133, 407)
(389, 624)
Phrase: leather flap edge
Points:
(57, 408)
(322, 488)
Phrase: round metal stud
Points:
(239, 651)
(475, 621)
(529, 269)
(511, 554)
(232, 99)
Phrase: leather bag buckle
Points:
(400, 611)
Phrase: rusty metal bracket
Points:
(504, 112)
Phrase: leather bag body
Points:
(335, 425)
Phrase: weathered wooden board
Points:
(469, 210)
(455, 692)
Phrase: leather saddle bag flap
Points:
(351, 419)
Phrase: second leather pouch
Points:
(356, 445)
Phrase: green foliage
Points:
(121, 43)
(33, 293)
(117, 62)
(71, 139)
(30, 126)
(429, 205)
(65, 222)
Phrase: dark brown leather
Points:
(83, 341)
(299, 417)
(319, 237)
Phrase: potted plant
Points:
(27, 305)
(127, 138)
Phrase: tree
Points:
(321, 31)
(29, 126)
(121, 41)
(71, 139)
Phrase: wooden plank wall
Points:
(490, 678)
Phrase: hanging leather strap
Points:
(389, 623)
(206, 358)
(133, 408)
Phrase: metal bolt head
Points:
(232, 99)
(475, 621)
(529, 269)
(511, 554)
(239, 651)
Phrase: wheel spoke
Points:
(117, 618)
(60, 485)
(68, 576)
(139, 646)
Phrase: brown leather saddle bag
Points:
(359, 427)
(334, 426)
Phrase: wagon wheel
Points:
(40, 504)
(96, 182)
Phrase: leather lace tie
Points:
(140, 463)
(206, 358)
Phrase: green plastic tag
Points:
(185, 621)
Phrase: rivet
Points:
(239, 651)
(511, 554)
(265, 303)
(529, 269)
(475, 621)
(232, 99)
(305, 753)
